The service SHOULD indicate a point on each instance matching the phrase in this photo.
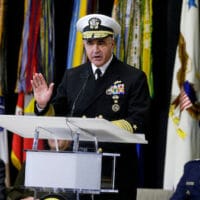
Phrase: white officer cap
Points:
(95, 26)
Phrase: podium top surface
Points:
(65, 128)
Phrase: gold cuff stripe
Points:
(123, 124)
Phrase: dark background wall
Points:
(166, 16)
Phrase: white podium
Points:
(79, 171)
(76, 171)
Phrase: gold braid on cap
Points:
(96, 34)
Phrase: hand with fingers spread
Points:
(42, 92)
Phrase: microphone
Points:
(86, 76)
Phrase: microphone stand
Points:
(36, 137)
(78, 95)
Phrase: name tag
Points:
(190, 183)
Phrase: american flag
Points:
(185, 102)
(187, 96)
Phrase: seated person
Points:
(188, 187)
(17, 192)
(2, 180)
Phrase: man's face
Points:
(100, 50)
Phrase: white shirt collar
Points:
(103, 67)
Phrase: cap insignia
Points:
(94, 23)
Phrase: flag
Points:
(133, 49)
(122, 13)
(33, 43)
(37, 53)
(183, 133)
(135, 19)
(23, 53)
(47, 40)
(146, 35)
(17, 141)
(26, 66)
(19, 144)
(133, 45)
(75, 47)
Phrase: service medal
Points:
(115, 107)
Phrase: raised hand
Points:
(42, 92)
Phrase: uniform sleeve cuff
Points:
(123, 124)
(39, 111)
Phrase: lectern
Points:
(77, 171)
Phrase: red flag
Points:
(19, 144)
(33, 41)
(17, 141)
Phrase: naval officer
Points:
(103, 87)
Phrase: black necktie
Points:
(98, 73)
